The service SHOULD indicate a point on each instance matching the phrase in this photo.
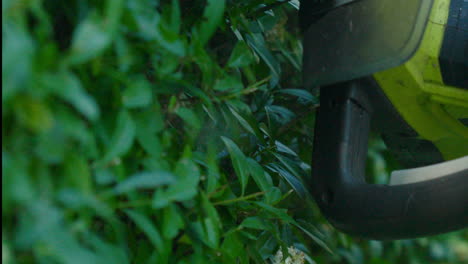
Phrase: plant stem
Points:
(284, 197)
(220, 189)
(250, 89)
(239, 199)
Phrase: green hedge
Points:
(164, 132)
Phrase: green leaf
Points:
(17, 53)
(76, 128)
(233, 248)
(242, 121)
(146, 18)
(7, 256)
(90, 39)
(241, 56)
(212, 16)
(17, 186)
(248, 121)
(285, 149)
(273, 195)
(313, 229)
(262, 179)
(212, 222)
(106, 252)
(212, 233)
(190, 118)
(280, 113)
(73, 199)
(267, 22)
(239, 162)
(210, 211)
(122, 139)
(148, 140)
(138, 94)
(228, 84)
(276, 212)
(114, 10)
(254, 222)
(295, 4)
(52, 146)
(68, 86)
(34, 114)
(77, 173)
(172, 221)
(104, 176)
(376, 248)
(151, 119)
(292, 178)
(317, 240)
(257, 42)
(152, 27)
(170, 40)
(248, 235)
(144, 180)
(213, 171)
(146, 225)
(185, 188)
(302, 94)
(175, 16)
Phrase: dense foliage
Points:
(147, 131)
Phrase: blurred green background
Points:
(147, 131)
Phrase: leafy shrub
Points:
(160, 132)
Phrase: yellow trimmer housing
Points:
(431, 97)
(416, 50)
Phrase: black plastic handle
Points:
(371, 211)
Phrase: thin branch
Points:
(239, 199)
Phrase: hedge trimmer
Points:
(399, 67)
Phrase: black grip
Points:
(371, 211)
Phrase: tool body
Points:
(399, 67)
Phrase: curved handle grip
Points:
(381, 212)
